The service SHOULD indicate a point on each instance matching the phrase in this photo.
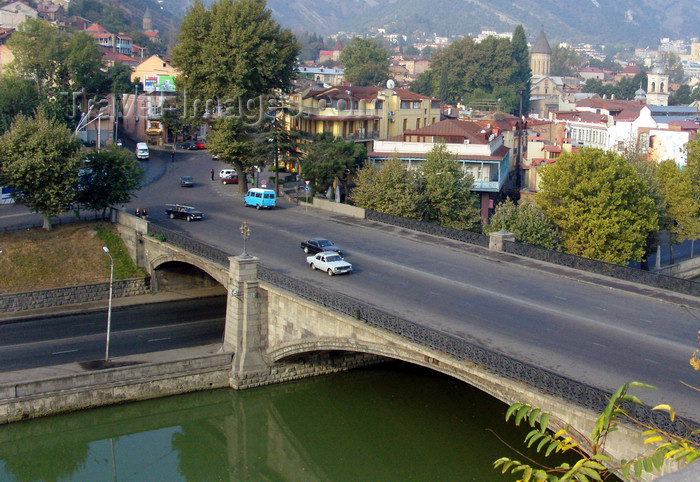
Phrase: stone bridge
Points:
(280, 329)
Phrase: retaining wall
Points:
(30, 300)
(339, 208)
(96, 388)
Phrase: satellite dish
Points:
(389, 84)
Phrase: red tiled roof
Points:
(591, 69)
(581, 116)
(607, 104)
(630, 69)
(454, 128)
(97, 28)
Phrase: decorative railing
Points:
(497, 363)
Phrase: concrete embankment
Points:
(62, 388)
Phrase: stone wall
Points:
(31, 399)
(338, 208)
(31, 300)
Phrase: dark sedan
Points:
(317, 245)
(181, 211)
(186, 181)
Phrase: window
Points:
(405, 124)
(417, 123)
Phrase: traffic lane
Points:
(122, 343)
(124, 318)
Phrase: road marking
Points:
(16, 215)
(601, 308)
(599, 344)
(652, 361)
(560, 298)
(63, 352)
(645, 321)
(159, 339)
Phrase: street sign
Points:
(307, 183)
(306, 188)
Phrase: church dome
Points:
(541, 45)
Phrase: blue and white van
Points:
(260, 198)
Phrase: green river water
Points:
(389, 422)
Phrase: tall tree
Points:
(40, 161)
(230, 140)
(39, 54)
(328, 159)
(565, 61)
(17, 96)
(108, 179)
(234, 49)
(84, 63)
(681, 219)
(446, 191)
(522, 76)
(366, 62)
(390, 189)
(600, 205)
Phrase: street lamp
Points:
(245, 232)
(109, 309)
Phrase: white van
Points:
(142, 151)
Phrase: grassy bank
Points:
(68, 255)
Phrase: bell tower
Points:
(657, 86)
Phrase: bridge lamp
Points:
(245, 232)
(109, 309)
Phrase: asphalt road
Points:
(589, 332)
(82, 337)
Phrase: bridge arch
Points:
(172, 269)
(458, 370)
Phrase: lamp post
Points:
(109, 309)
(245, 232)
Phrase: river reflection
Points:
(389, 422)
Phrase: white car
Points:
(331, 263)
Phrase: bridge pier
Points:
(243, 332)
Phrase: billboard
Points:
(166, 83)
(150, 82)
(665, 145)
(158, 83)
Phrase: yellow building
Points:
(153, 66)
(362, 114)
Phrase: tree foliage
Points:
(681, 217)
(391, 189)
(438, 191)
(553, 435)
(232, 142)
(600, 205)
(328, 158)
(108, 178)
(40, 161)
(491, 69)
(366, 62)
(17, 96)
(527, 222)
(447, 191)
(565, 61)
(233, 49)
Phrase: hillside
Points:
(637, 22)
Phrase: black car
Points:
(186, 181)
(188, 146)
(181, 211)
(316, 245)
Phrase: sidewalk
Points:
(117, 304)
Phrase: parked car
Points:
(181, 211)
(331, 263)
(200, 145)
(230, 179)
(318, 245)
(186, 181)
(188, 146)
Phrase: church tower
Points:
(657, 86)
(147, 20)
(541, 56)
